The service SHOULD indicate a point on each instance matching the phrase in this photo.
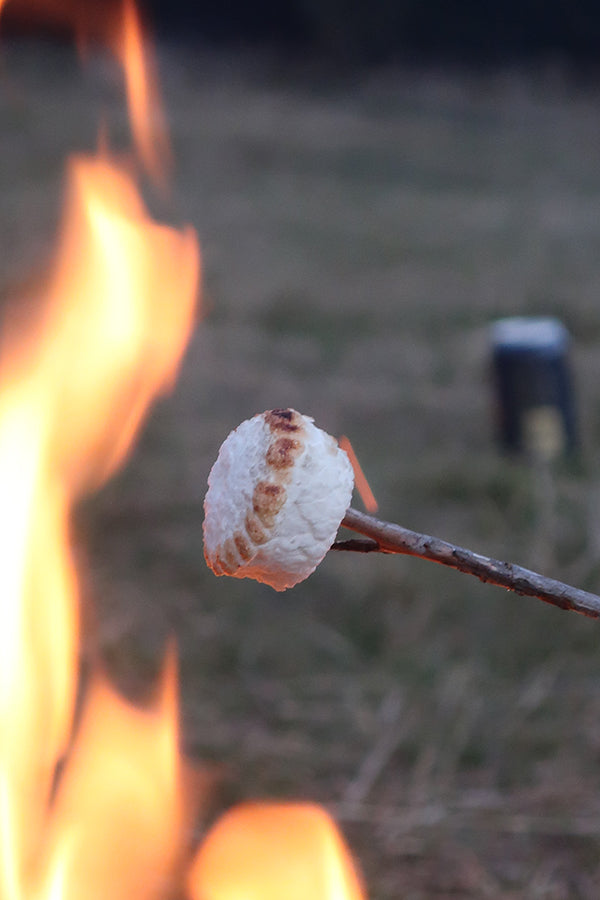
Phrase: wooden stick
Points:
(386, 537)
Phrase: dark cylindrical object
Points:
(534, 395)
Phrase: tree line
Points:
(472, 31)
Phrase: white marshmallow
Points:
(276, 497)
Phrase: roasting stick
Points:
(276, 498)
(386, 537)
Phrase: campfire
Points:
(93, 793)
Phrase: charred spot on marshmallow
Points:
(283, 420)
(255, 529)
(283, 452)
(267, 500)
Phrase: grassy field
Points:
(359, 236)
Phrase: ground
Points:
(359, 235)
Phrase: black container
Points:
(534, 395)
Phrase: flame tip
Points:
(362, 485)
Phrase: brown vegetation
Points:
(357, 242)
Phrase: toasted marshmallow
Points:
(276, 497)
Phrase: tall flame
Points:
(91, 796)
(72, 396)
(118, 826)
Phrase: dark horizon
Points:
(470, 32)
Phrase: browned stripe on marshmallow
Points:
(267, 500)
(229, 560)
(243, 548)
(254, 528)
(213, 563)
(283, 453)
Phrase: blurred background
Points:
(374, 185)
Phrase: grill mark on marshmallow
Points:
(267, 500)
(255, 529)
(241, 543)
(215, 564)
(229, 561)
(283, 452)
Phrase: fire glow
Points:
(92, 804)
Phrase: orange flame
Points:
(118, 823)
(274, 851)
(92, 804)
(362, 485)
(72, 396)
(119, 318)
(143, 96)
(117, 25)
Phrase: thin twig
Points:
(386, 537)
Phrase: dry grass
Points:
(358, 239)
